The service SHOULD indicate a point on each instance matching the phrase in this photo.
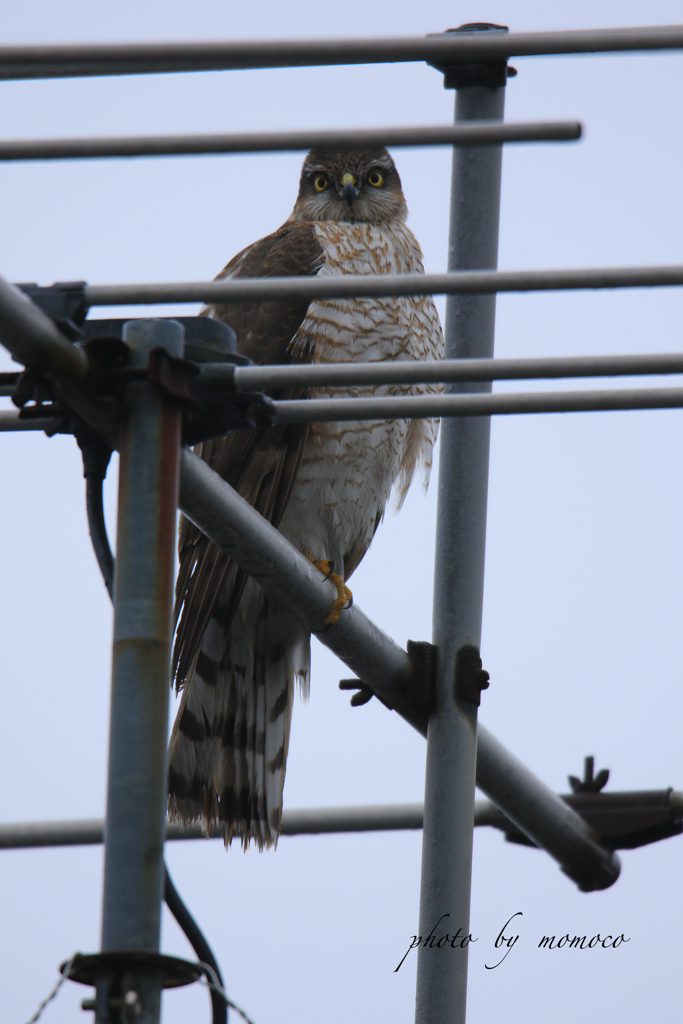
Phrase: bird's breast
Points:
(349, 469)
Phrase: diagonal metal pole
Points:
(143, 600)
(459, 569)
(263, 552)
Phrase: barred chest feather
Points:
(350, 469)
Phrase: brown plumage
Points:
(238, 653)
(260, 464)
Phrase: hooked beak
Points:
(348, 191)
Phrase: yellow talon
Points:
(344, 595)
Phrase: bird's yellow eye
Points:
(320, 183)
(375, 179)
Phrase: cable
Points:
(48, 999)
(98, 531)
(96, 455)
(199, 945)
(214, 985)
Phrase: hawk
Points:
(239, 652)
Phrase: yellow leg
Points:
(343, 593)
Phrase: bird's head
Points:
(350, 186)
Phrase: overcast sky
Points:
(583, 596)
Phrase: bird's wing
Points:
(261, 465)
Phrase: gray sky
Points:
(584, 558)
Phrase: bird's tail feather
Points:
(228, 751)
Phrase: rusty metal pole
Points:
(143, 599)
(459, 567)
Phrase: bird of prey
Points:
(238, 652)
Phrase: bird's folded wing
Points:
(260, 464)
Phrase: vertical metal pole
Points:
(459, 569)
(136, 792)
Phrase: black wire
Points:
(96, 454)
(98, 531)
(198, 943)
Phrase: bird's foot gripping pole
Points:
(344, 596)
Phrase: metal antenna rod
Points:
(143, 601)
(459, 567)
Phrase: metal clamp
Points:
(470, 677)
(420, 691)
(490, 73)
(114, 973)
(362, 695)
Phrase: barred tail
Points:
(228, 750)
